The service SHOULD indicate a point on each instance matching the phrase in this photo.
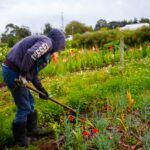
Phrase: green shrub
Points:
(131, 37)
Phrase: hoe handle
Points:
(39, 92)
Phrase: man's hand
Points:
(44, 92)
(23, 80)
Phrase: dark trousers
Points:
(23, 98)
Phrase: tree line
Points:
(14, 33)
(114, 24)
(75, 27)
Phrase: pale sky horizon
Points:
(35, 13)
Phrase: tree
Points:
(135, 21)
(130, 21)
(14, 33)
(75, 27)
(22, 32)
(123, 23)
(114, 24)
(100, 24)
(144, 20)
(47, 29)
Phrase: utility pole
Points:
(72, 30)
(62, 21)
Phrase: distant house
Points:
(134, 26)
(69, 37)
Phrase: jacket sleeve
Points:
(36, 82)
(32, 54)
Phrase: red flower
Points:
(86, 133)
(110, 47)
(107, 107)
(83, 119)
(71, 118)
(83, 127)
(95, 130)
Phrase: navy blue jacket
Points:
(27, 53)
(32, 53)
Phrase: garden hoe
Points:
(51, 99)
(73, 112)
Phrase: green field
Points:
(112, 100)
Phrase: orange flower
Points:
(72, 53)
(54, 57)
(131, 101)
(83, 127)
(129, 95)
(110, 136)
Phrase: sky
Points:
(35, 13)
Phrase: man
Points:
(26, 58)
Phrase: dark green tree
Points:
(114, 24)
(14, 33)
(144, 20)
(100, 24)
(75, 27)
(47, 28)
(135, 20)
(123, 23)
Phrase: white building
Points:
(134, 26)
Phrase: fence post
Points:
(122, 53)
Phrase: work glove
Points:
(44, 92)
(23, 80)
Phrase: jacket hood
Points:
(58, 39)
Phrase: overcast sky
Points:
(35, 13)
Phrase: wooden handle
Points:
(39, 92)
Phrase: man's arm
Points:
(32, 54)
(36, 82)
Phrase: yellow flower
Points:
(131, 101)
(129, 95)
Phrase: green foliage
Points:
(100, 38)
(14, 33)
(75, 27)
(144, 50)
(79, 60)
(47, 28)
(146, 140)
(68, 44)
(5, 126)
(3, 52)
(1, 79)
